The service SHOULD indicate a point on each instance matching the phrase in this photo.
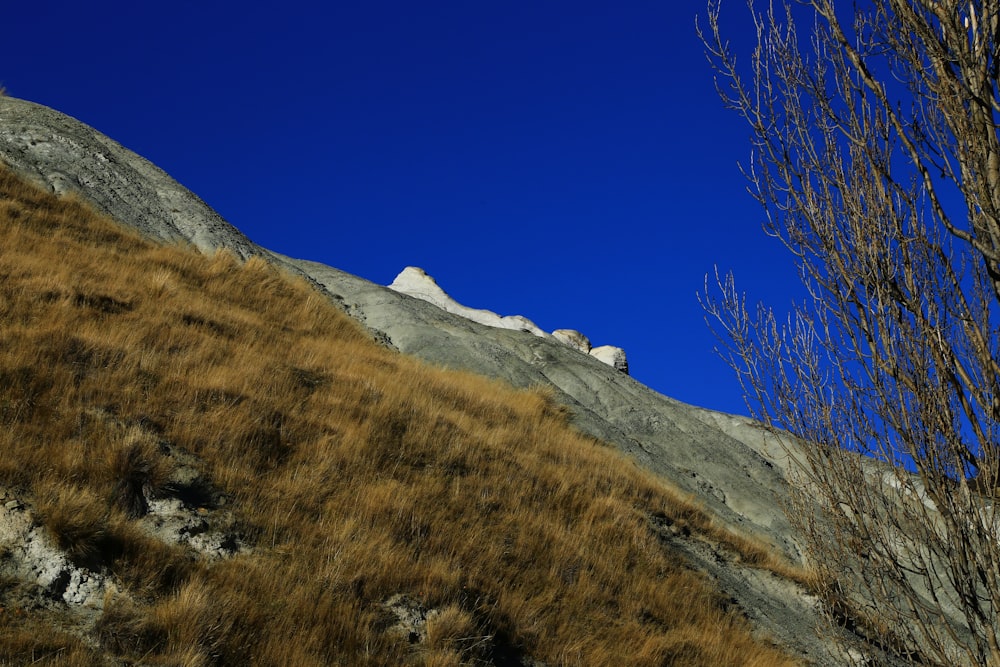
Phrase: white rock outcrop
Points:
(573, 338)
(28, 554)
(417, 283)
(612, 356)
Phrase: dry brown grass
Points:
(35, 643)
(356, 474)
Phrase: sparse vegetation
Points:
(355, 473)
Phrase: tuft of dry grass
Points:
(48, 651)
(356, 474)
(77, 519)
(26, 639)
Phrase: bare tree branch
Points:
(876, 159)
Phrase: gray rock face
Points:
(416, 283)
(726, 462)
(64, 155)
(667, 436)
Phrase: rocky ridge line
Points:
(415, 282)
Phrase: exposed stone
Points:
(415, 282)
(64, 155)
(612, 356)
(31, 556)
(573, 338)
(410, 618)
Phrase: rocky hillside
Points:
(222, 506)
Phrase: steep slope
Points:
(62, 154)
(737, 482)
(349, 505)
(736, 473)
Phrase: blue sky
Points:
(565, 161)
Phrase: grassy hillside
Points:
(354, 476)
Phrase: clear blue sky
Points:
(566, 161)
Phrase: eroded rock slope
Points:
(724, 461)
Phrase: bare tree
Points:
(876, 158)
